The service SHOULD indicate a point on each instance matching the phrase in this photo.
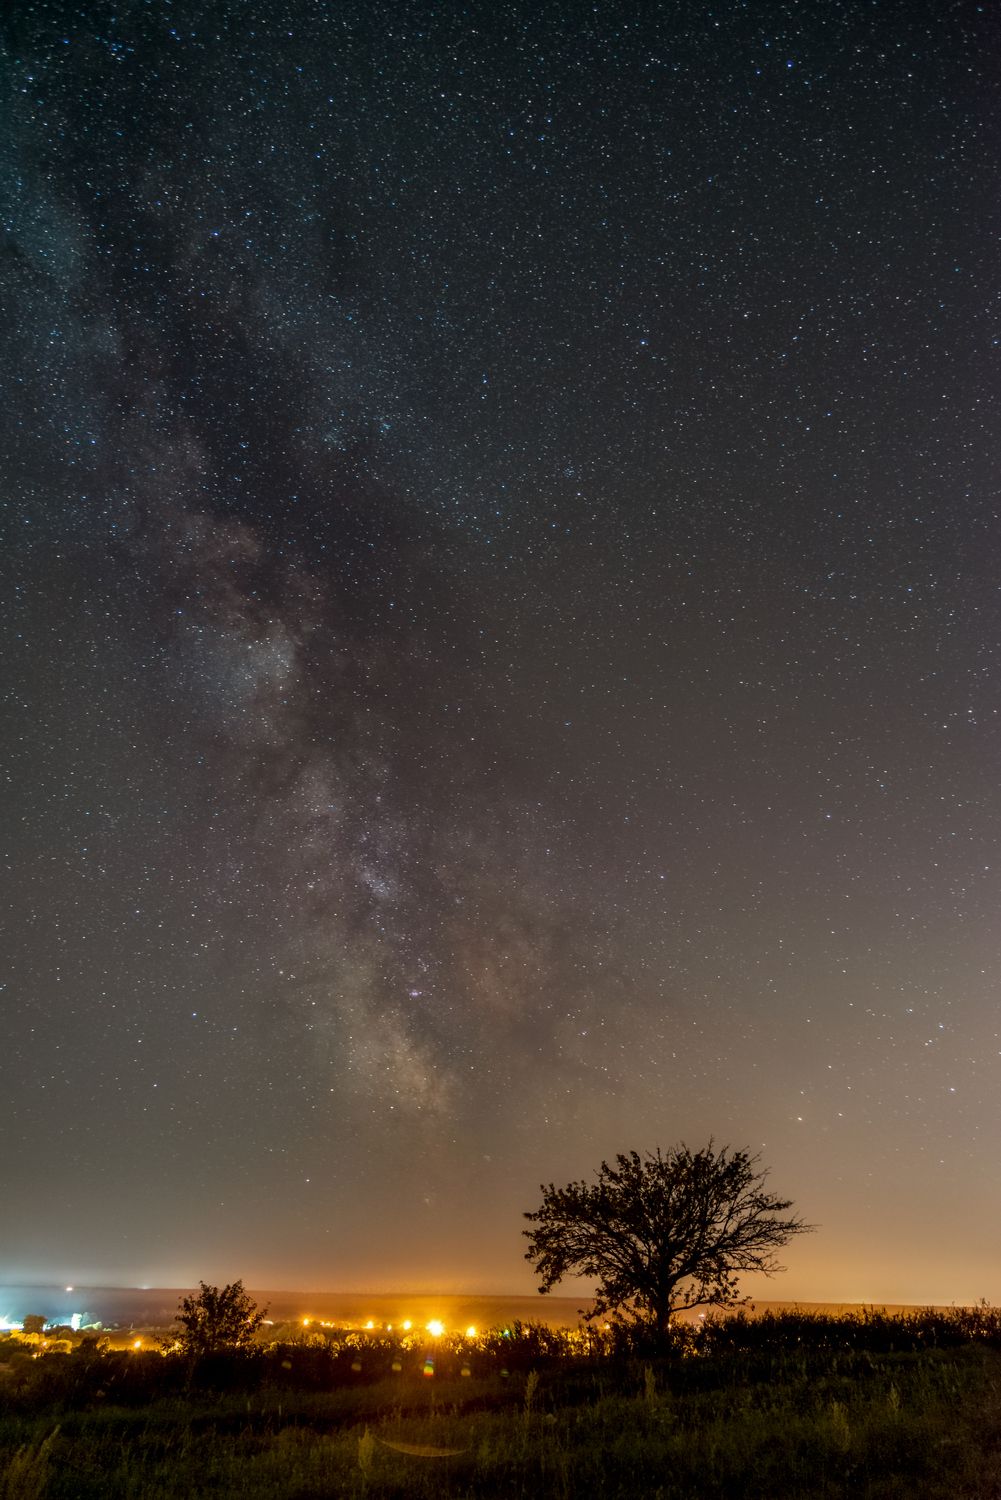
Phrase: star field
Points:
(500, 646)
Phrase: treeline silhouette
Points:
(710, 1354)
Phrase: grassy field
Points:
(778, 1407)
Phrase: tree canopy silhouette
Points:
(218, 1318)
(662, 1232)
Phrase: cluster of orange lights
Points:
(435, 1327)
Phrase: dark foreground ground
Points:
(866, 1406)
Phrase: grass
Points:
(784, 1407)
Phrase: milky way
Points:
(500, 550)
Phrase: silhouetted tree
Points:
(218, 1318)
(662, 1233)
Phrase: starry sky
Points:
(500, 638)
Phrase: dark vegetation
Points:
(217, 1318)
(661, 1233)
(786, 1405)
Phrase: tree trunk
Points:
(662, 1325)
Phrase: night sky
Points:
(500, 630)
